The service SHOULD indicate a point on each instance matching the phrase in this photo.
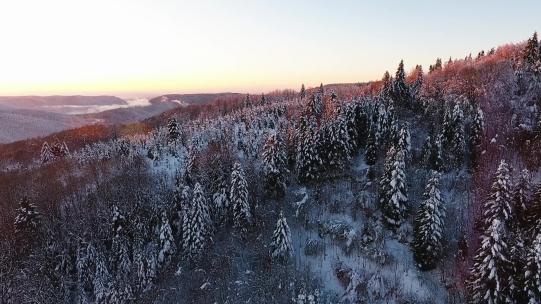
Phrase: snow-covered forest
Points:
(423, 187)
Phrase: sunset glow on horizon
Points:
(145, 47)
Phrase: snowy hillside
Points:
(419, 188)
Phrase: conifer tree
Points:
(532, 284)
(491, 275)
(371, 149)
(173, 130)
(167, 243)
(499, 204)
(400, 90)
(242, 215)
(321, 91)
(197, 234)
(531, 53)
(27, 218)
(393, 198)
(521, 198)
(302, 93)
(428, 231)
(417, 84)
(533, 219)
(46, 153)
(386, 86)
(220, 202)
(281, 247)
(476, 134)
(308, 159)
(404, 141)
(274, 167)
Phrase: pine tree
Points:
(27, 219)
(167, 242)
(428, 231)
(274, 166)
(281, 247)
(404, 141)
(242, 216)
(197, 234)
(46, 153)
(302, 93)
(532, 284)
(173, 130)
(394, 189)
(498, 206)
(521, 198)
(491, 279)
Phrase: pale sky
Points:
(150, 47)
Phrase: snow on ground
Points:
(394, 269)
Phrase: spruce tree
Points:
(173, 130)
(531, 53)
(308, 159)
(242, 216)
(533, 219)
(167, 243)
(491, 275)
(400, 90)
(428, 231)
(274, 166)
(499, 204)
(386, 85)
(371, 149)
(476, 134)
(521, 198)
(416, 86)
(532, 284)
(46, 153)
(281, 247)
(197, 234)
(27, 219)
(394, 189)
(457, 140)
(302, 93)
(220, 202)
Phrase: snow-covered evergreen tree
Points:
(46, 153)
(197, 234)
(532, 284)
(386, 85)
(308, 159)
(491, 275)
(533, 218)
(242, 215)
(499, 204)
(400, 90)
(477, 127)
(167, 243)
(274, 166)
(521, 198)
(220, 202)
(393, 197)
(27, 219)
(302, 93)
(428, 231)
(281, 247)
(371, 149)
(173, 130)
